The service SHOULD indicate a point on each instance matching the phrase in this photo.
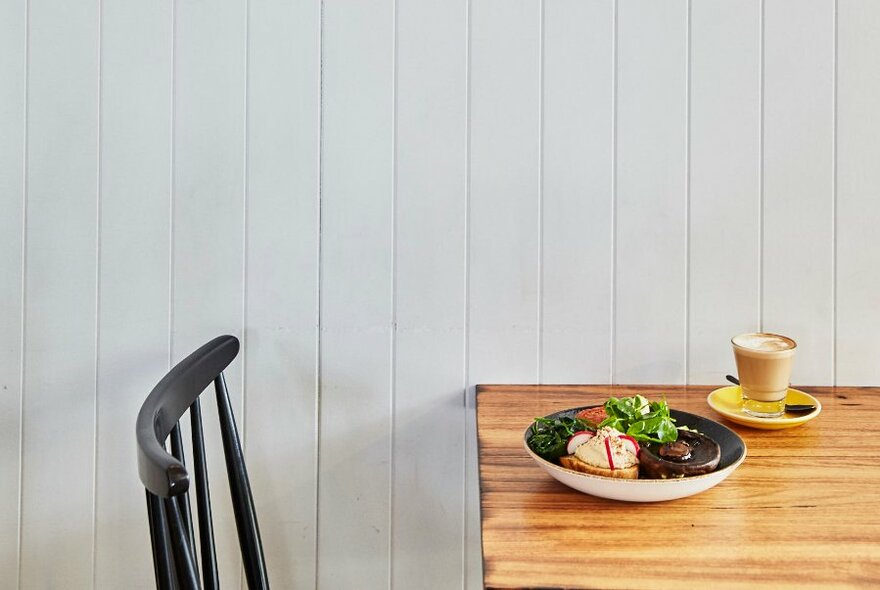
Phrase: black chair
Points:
(167, 481)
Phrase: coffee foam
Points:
(763, 342)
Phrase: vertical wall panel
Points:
(59, 380)
(430, 248)
(504, 192)
(504, 206)
(282, 253)
(725, 198)
(577, 191)
(798, 181)
(858, 193)
(133, 316)
(208, 210)
(356, 294)
(13, 35)
(651, 208)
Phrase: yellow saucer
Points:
(727, 401)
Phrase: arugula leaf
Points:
(640, 419)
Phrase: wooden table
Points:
(803, 510)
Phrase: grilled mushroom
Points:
(692, 454)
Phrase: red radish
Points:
(635, 445)
(577, 439)
(608, 451)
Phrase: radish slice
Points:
(608, 450)
(633, 444)
(577, 439)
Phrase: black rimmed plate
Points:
(733, 452)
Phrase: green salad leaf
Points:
(549, 438)
(643, 420)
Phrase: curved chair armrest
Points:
(159, 471)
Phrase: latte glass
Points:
(763, 362)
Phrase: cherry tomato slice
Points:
(592, 415)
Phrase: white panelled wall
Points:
(390, 202)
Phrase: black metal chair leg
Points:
(183, 499)
(239, 485)
(162, 562)
(187, 574)
(210, 576)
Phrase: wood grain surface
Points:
(803, 510)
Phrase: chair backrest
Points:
(167, 480)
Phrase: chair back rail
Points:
(167, 480)
(210, 576)
(242, 500)
(183, 499)
(184, 559)
(163, 566)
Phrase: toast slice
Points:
(575, 464)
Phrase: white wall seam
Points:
(172, 170)
(687, 200)
(392, 369)
(834, 228)
(466, 414)
(540, 273)
(318, 294)
(244, 245)
(97, 336)
(613, 305)
(244, 224)
(24, 243)
(761, 177)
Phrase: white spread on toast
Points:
(595, 451)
